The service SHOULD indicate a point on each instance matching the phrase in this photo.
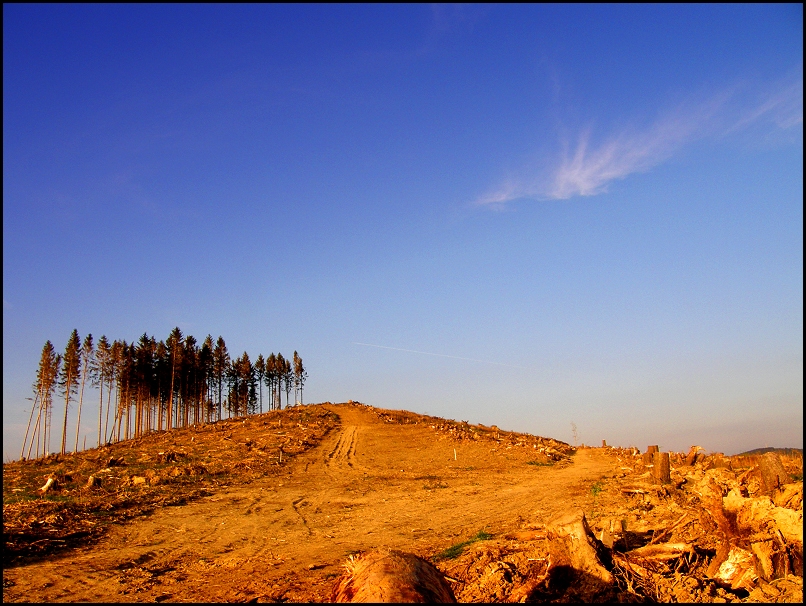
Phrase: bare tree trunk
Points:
(64, 427)
(108, 406)
(27, 429)
(35, 435)
(80, 401)
(100, 409)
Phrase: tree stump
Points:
(648, 455)
(575, 557)
(773, 474)
(391, 576)
(662, 469)
(691, 458)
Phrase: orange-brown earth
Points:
(211, 514)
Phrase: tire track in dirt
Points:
(367, 485)
(344, 450)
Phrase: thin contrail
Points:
(428, 353)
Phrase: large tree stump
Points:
(391, 576)
(773, 474)
(649, 454)
(661, 470)
(574, 546)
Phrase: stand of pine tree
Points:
(154, 385)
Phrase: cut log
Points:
(50, 484)
(662, 551)
(94, 482)
(633, 490)
(773, 474)
(661, 470)
(391, 576)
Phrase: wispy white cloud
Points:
(587, 167)
(782, 106)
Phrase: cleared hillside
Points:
(268, 509)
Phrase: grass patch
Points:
(455, 551)
(540, 463)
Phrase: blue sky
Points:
(592, 213)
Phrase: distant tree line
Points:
(153, 385)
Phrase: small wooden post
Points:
(773, 474)
(661, 471)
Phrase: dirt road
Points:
(368, 484)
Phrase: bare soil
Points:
(245, 526)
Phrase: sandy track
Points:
(368, 484)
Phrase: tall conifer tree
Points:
(71, 368)
(206, 372)
(220, 365)
(260, 372)
(299, 375)
(102, 358)
(174, 345)
(46, 376)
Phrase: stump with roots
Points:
(573, 545)
(391, 576)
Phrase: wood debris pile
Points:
(711, 534)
